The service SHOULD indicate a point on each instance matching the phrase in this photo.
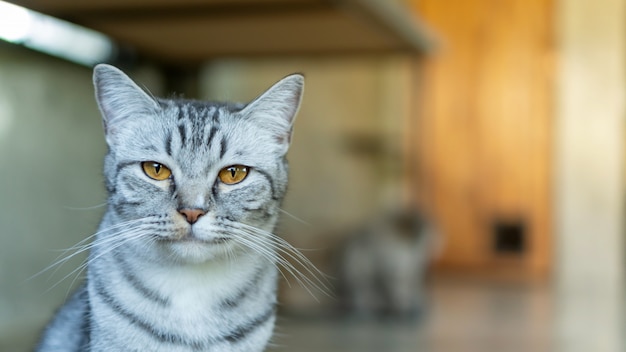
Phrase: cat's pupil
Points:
(157, 168)
(233, 172)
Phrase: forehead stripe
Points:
(222, 147)
(183, 133)
(216, 115)
(168, 144)
(211, 135)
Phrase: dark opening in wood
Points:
(509, 236)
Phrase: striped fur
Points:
(156, 281)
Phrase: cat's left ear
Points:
(119, 99)
(276, 109)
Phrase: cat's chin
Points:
(193, 250)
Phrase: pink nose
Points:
(192, 215)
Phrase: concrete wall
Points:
(51, 185)
(51, 150)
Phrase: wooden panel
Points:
(485, 136)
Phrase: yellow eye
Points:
(155, 170)
(233, 174)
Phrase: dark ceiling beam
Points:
(191, 11)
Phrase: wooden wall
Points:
(485, 130)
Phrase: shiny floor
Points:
(473, 316)
(463, 315)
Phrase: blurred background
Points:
(456, 168)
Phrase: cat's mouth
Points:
(195, 249)
(191, 237)
(195, 239)
(218, 240)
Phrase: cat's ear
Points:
(276, 109)
(119, 98)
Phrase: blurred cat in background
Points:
(382, 267)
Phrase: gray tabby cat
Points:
(184, 259)
(383, 266)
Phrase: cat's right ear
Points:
(119, 98)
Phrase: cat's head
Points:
(195, 179)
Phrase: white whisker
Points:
(80, 247)
(107, 239)
(125, 237)
(97, 206)
(285, 246)
(278, 250)
(273, 258)
(293, 216)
